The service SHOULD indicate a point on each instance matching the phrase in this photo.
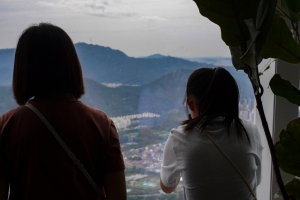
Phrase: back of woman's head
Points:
(46, 63)
(217, 94)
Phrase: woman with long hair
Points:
(199, 151)
(33, 165)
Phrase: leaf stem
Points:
(279, 181)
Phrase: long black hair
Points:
(217, 94)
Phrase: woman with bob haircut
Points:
(190, 153)
(47, 74)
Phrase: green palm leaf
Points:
(288, 148)
(293, 187)
(281, 44)
(285, 89)
(294, 5)
(283, 10)
(230, 16)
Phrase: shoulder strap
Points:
(71, 155)
(232, 163)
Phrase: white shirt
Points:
(205, 171)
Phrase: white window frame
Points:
(278, 112)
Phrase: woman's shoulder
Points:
(252, 131)
(14, 112)
(94, 112)
(178, 134)
(13, 115)
(91, 109)
(250, 127)
(178, 130)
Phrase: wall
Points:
(284, 111)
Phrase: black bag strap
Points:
(70, 154)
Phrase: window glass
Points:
(268, 104)
(136, 57)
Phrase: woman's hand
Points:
(168, 189)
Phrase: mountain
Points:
(159, 96)
(155, 56)
(103, 64)
(6, 65)
(165, 93)
(7, 101)
(6, 76)
(117, 101)
(217, 61)
(106, 65)
(161, 81)
(7, 58)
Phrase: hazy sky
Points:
(136, 27)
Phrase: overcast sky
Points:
(136, 27)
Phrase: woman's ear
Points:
(190, 103)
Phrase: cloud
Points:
(13, 6)
(104, 8)
(153, 18)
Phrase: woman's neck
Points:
(60, 96)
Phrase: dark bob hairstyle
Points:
(217, 94)
(46, 63)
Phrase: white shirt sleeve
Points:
(259, 153)
(169, 173)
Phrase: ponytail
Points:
(218, 95)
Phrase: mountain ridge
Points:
(161, 81)
(104, 64)
(116, 67)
